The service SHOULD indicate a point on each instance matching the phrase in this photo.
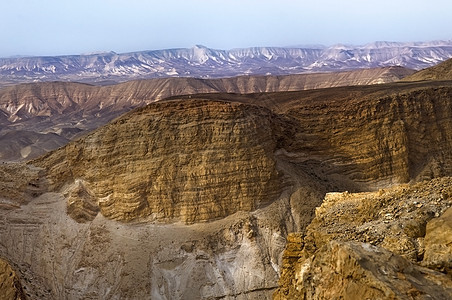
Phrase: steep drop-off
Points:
(203, 194)
(63, 110)
(178, 152)
(368, 137)
(183, 160)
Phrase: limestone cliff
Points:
(402, 132)
(210, 190)
(401, 136)
(36, 118)
(180, 160)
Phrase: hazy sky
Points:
(55, 27)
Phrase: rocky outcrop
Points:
(402, 220)
(81, 204)
(352, 270)
(192, 161)
(10, 287)
(438, 243)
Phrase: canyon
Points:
(313, 194)
(39, 117)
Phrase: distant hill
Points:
(203, 62)
(63, 110)
(442, 71)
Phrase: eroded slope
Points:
(183, 160)
(374, 245)
(442, 71)
(57, 111)
(245, 176)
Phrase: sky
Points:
(61, 27)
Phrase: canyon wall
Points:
(194, 198)
(180, 160)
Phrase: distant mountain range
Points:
(203, 62)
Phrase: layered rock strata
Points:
(192, 161)
(371, 138)
(36, 118)
(243, 177)
(83, 255)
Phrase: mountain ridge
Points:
(442, 71)
(62, 107)
(200, 61)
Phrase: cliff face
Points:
(36, 118)
(374, 140)
(203, 194)
(223, 149)
(191, 161)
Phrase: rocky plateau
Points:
(332, 193)
(39, 117)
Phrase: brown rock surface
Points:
(245, 176)
(192, 161)
(438, 243)
(10, 287)
(36, 118)
(352, 270)
(394, 219)
(237, 257)
(402, 132)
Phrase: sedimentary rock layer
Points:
(36, 118)
(180, 160)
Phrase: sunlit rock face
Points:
(194, 198)
(191, 161)
(374, 245)
(10, 287)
